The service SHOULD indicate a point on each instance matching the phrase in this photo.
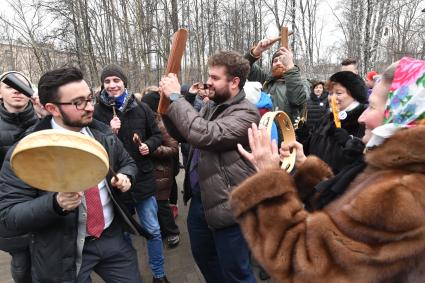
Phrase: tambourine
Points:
(60, 161)
(287, 130)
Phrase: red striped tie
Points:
(95, 219)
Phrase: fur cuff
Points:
(260, 187)
(313, 171)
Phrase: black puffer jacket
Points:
(53, 234)
(136, 117)
(317, 108)
(323, 144)
(12, 125)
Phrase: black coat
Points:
(322, 143)
(13, 125)
(136, 117)
(24, 209)
(317, 108)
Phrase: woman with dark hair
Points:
(374, 231)
(317, 105)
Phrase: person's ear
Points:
(52, 109)
(234, 84)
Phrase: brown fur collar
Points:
(405, 150)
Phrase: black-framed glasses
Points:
(79, 103)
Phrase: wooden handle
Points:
(178, 45)
(284, 37)
(113, 173)
(335, 112)
(137, 140)
(163, 105)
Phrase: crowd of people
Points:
(351, 210)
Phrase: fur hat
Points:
(353, 83)
(113, 70)
(151, 99)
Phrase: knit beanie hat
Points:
(353, 83)
(184, 89)
(276, 54)
(151, 99)
(113, 70)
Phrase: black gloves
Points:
(354, 148)
(341, 136)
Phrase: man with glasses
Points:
(67, 245)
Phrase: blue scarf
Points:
(120, 99)
(116, 101)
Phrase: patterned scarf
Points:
(406, 100)
(119, 102)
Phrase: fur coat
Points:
(374, 232)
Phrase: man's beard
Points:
(74, 124)
(220, 97)
(277, 72)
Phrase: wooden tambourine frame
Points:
(288, 133)
(60, 161)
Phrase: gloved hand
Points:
(354, 148)
(303, 133)
(341, 136)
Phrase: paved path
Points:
(179, 264)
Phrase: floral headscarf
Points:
(406, 100)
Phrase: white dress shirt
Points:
(108, 209)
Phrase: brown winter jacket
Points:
(164, 161)
(215, 131)
(374, 232)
